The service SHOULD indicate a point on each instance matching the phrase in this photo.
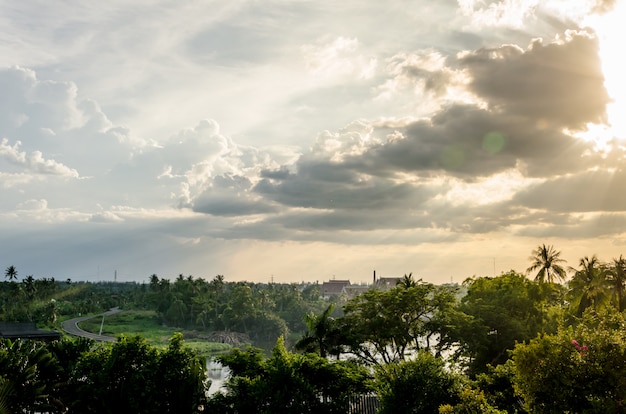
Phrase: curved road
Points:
(71, 327)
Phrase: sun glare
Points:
(611, 31)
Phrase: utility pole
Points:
(102, 324)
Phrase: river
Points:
(218, 374)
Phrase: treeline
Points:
(259, 312)
(532, 342)
(262, 312)
(79, 376)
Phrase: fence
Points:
(364, 404)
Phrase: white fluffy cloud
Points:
(33, 163)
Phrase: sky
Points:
(298, 140)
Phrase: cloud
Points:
(230, 195)
(50, 117)
(146, 136)
(33, 163)
(105, 217)
(559, 83)
(507, 13)
(40, 204)
(338, 58)
(588, 191)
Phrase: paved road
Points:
(71, 327)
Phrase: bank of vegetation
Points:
(549, 340)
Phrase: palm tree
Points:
(547, 260)
(11, 273)
(407, 281)
(29, 286)
(617, 278)
(322, 335)
(589, 286)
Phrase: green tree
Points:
(548, 261)
(132, 376)
(579, 369)
(616, 276)
(408, 281)
(287, 383)
(497, 385)
(471, 401)
(29, 370)
(10, 273)
(589, 286)
(29, 287)
(419, 385)
(176, 313)
(323, 334)
(181, 381)
(496, 313)
(385, 326)
(5, 394)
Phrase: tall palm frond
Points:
(589, 286)
(323, 333)
(548, 261)
(10, 273)
(5, 393)
(407, 281)
(617, 278)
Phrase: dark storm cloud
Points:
(558, 83)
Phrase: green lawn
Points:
(146, 324)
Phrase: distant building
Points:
(333, 288)
(353, 291)
(26, 330)
(385, 283)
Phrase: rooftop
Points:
(26, 330)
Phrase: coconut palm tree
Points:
(323, 334)
(29, 286)
(407, 281)
(589, 286)
(617, 278)
(548, 261)
(11, 273)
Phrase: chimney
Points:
(374, 276)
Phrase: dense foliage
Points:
(419, 385)
(79, 376)
(514, 343)
(288, 383)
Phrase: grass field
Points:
(146, 324)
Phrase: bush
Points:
(420, 385)
(580, 369)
